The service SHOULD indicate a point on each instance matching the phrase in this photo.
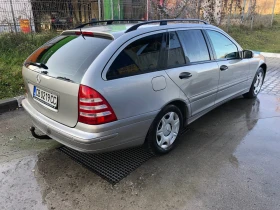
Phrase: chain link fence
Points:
(41, 15)
(252, 13)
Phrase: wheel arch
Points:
(183, 107)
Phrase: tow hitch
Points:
(32, 129)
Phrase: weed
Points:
(14, 49)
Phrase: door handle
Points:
(223, 68)
(185, 75)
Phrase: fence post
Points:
(272, 15)
(112, 10)
(119, 9)
(243, 11)
(252, 21)
(99, 10)
(229, 16)
(13, 14)
(249, 8)
(147, 7)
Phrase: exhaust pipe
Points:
(35, 135)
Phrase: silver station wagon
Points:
(115, 84)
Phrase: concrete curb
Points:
(10, 104)
(271, 55)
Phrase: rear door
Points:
(233, 69)
(136, 82)
(53, 88)
(190, 66)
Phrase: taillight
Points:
(85, 33)
(93, 107)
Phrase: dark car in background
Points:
(61, 21)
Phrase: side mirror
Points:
(247, 54)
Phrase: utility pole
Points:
(13, 14)
(272, 15)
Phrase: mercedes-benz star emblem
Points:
(38, 79)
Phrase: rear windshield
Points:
(69, 55)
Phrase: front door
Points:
(190, 66)
(233, 69)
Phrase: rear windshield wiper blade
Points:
(65, 78)
(44, 72)
(41, 65)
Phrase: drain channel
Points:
(111, 166)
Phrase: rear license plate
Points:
(45, 97)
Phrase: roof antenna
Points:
(82, 33)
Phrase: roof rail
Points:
(109, 22)
(163, 22)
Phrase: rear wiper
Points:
(40, 65)
(44, 72)
(65, 78)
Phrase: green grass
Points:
(263, 39)
(14, 49)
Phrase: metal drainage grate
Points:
(112, 166)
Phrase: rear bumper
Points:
(128, 135)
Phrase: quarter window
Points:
(139, 57)
(175, 51)
(194, 45)
(224, 48)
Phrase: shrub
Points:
(14, 49)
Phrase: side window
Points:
(139, 57)
(224, 48)
(175, 51)
(194, 45)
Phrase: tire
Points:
(256, 84)
(164, 131)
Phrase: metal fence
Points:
(252, 13)
(40, 15)
(62, 14)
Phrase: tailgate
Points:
(64, 108)
(53, 73)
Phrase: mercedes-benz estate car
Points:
(116, 85)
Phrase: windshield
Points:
(68, 56)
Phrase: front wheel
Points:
(165, 130)
(256, 85)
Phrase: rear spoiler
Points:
(89, 33)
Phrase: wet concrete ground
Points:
(228, 160)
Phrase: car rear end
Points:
(59, 105)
